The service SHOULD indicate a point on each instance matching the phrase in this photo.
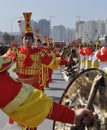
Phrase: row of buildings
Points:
(57, 33)
(85, 30)
(91, 29)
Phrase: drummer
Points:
(30, 107)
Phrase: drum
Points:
(76, 96)
(73, 68)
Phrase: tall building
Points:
(78, 28)
(70, 35)
(59, 33)
(91, 30)
(44, 26)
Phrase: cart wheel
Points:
(76, 96)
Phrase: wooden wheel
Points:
(73, 68)
(76, 96)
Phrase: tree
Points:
(6, 38)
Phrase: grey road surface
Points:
(57, 87)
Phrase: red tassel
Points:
(11, 121)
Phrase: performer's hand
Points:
(85, 116)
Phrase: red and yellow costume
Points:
(52, 51)
(17, 98)
(29, 63)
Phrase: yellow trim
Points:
(54, 64)
(33, 110)
(3, 61)
(19, 99)
(95, 64)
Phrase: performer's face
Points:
(27, 41)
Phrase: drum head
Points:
(76, 96)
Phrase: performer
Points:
(86, 54)
(17, 98)
(88, 57)
(54, 52)
(100, 59)
(38, 42)
(45, 71)
(82, 59)
(31, 60)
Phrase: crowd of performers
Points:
(93, 59)
(23, 98)
(92, 55)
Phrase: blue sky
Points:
(63, 12)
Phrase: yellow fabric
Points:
(32, 70)
(95, 64)
(105, 70)
(33, 110)
(54, 64)
(45, 76)
(82, 62)
(88, 64)
(24, 93)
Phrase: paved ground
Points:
(57, 87)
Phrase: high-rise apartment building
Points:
(91, 30)
(44, 26)
(58, 33)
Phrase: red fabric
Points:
(104, 50)
(46, 60)
(27, 60)
(24, 50)
(37, 86)
(64, 62)
(100, 56)
(58, 55)
(88, 51)
(62, 113)
(12, 55)
(8, 88)
(82, 52)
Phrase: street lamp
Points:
(12, 21)
(51, 17)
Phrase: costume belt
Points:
(24, 93)
(29, 80)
